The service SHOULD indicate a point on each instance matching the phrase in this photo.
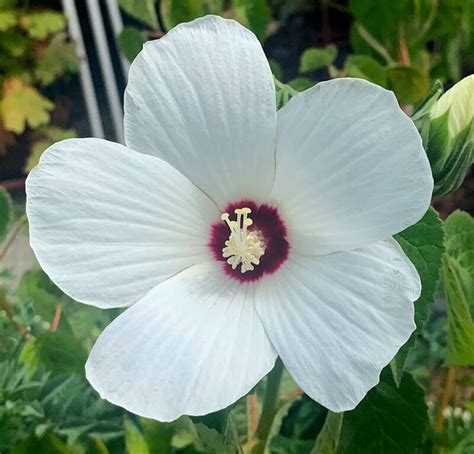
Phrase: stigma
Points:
(244, 248)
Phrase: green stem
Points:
(270, 402)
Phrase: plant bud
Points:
(446, 124)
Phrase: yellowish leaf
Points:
(23, 106)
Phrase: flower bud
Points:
(446, 124)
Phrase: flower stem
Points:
(447, 395)
(270, 401)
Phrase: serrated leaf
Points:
(40, 24)
(131, 42)
(142, 10)
(316, 58)
(389, 420)
(458, 280)
(56, 59)
(8, 20)
(23, 106)
(367, 68)
(410, 84)
(5, 212)
(423, 244)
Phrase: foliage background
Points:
(425, 400)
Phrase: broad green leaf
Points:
(56, 59)
(366, 68)
(5, 212)
(257, 15)
(389, 420)
(142, 10)
(176, 11)
(423, 244)
(8, 20)
(316, 58)
(40, 24)
(300, 84)
(23, 106)
(328, 439)
(410, 84)
(458, 280)
(158, 435)
(60, 352)
(134, 439)
(131, 42)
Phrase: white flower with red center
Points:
(235, 234)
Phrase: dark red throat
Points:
(269, 223)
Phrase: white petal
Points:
(192, 345)
(202, 98)
(107, 224)
(351, 168)
(337, 320)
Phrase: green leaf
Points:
(458, 280)
(134, 440)
(275, 67)
(409, 84)
(23, 105)
(366, 68)
(316, 58)
(212, 442)
(8, 20)
(60, 352)
(40, 24)
(177, 11)
(423, 244)
(131, 42)
(390, 419)
(257, 14)
(142, 10)
(5, 212)
(328, 439)
(300, 84)
(35, 286)
(283, 92)
(56, 59)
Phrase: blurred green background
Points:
(46, 405)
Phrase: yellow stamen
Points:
(243, 248)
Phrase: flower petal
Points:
(337, 320)
(107, 224)
(351, 168)
(202, 98)
(192, 345)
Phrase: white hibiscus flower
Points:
(302, 265)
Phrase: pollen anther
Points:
(243, 247)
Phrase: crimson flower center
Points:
(250, 240)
